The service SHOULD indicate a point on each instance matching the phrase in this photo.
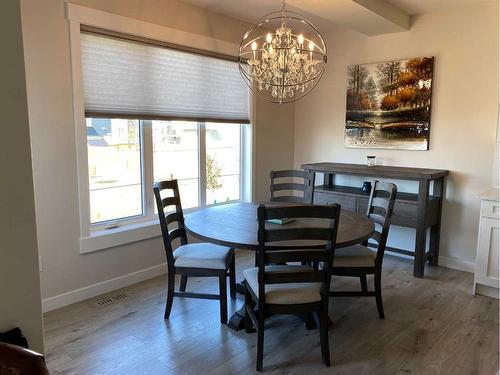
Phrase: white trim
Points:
(97, 18)
(202, 164)
(456, 264)
(106, 238)
(80, 128)
(444, 261)
(486, 290)
(90, 291)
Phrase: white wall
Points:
(19, 279)
(464, 41)
(48, 72)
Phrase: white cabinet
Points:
(487, 274)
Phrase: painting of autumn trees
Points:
(389, 104)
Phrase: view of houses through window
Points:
(118, 156)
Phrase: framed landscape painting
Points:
(389, 104)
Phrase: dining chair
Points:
(18, 360)
(285, 187)
(191, 259)
(361, 260)
(291, 289)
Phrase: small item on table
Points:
(281, 221)
(367, 187)
(371, 161)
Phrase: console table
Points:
(420, 211)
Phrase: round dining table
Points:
(235, 225)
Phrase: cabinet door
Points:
(347, 202)
(487, 264)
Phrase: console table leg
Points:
(420, 238)
(438, 191)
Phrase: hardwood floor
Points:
(432, 326)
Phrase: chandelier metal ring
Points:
(282, 57)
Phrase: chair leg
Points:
(170, 294)
(378, 294)
(232, 279)
(223, 298)
(260, 341)
(323, 332)
(364, 285)
(248, 303)
(184, 280)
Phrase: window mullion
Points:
(147, 167)
(202, 152)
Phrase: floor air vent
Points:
(105, 301)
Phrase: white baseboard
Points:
(90, 291)
(457, 264)
(444, 261)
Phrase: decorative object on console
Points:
(284, 65)
(371, 161)
(367, 187)
(389, 104)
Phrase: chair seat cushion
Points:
(284, 294)
(354, 256)
(203, 255)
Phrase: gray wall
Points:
(19, 277)
(464, 41)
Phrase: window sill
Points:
(106, 238)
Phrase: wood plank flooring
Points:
(432, 326)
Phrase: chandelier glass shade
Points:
(282, 57)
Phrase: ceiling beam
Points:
(370, 17)
(395, 18)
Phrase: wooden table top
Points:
(235, 225)
(387, 171)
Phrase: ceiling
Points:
(428, 6)
(371, 17)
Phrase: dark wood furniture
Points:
(235, 225)
(18, 360)
(285, 187)
(291, 289)
(360, 261)
(196, 259)
(420, 211)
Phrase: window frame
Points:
(94, 237)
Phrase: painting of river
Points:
(389, 104)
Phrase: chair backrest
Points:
(17, 360)
(319, 223)
(285, 189)
(380, 208)
(171, 221)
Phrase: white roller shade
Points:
(126, 78)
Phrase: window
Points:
(154, 113)
(120, 151)
(223, 161)
(115, 173)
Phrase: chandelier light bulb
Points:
(300, 39)
(269, 38)
(254, 46)
(311, 46)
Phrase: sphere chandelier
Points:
(282, 57)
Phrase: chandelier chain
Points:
(283, 13)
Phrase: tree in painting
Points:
(388, 104)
